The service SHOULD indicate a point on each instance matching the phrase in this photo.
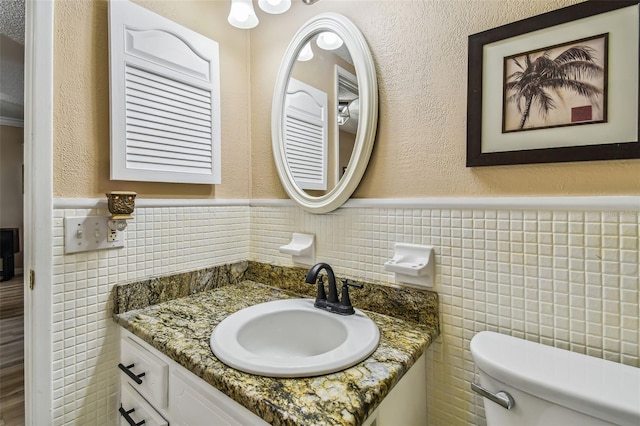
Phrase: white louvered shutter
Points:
(165, 99)
(305, 134)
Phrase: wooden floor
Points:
(12, 352)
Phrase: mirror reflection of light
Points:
(242, 14)
(329, 40)
(274, 6)
(343, 112)
(306, 54)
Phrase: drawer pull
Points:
(135, 377)
(124, 413)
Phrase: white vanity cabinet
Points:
(137, 409)
(406, 404)
(169, 394)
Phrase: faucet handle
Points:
(321, 295)
(345, 282)
(345, 300)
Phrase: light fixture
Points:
(121, 204)
(242, 14)
(274, 6)
(306, 54)
(329, 41)
(343, 112)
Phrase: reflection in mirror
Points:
(324, 113)
(321, 114)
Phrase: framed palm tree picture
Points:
(558, 87)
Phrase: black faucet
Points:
(331, 303)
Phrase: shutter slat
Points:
(133, 123)
(160, 133)
(166, 104)
(183, 142)
(154, 80)
(167, 123)
(168, 91)
(159, 161)
(134, 87)
(157, 153)
(305, 152)
(175, 168)
(167, 114)
(132, 70)
(136, 101)
(153, 134)
(166, 147)
(304, 128)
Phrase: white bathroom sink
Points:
(292, 338)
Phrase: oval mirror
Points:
(325, 113)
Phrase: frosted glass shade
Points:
(329, 40)
(242, 14)
(306, 54)
(274, 6)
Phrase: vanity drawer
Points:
(133, 406)
(144, 371)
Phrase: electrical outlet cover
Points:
(89, 233)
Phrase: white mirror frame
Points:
(365, 136)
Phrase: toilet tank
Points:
(554, 386)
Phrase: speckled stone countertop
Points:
(181, 329)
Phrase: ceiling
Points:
(12, 20)
(11, 60)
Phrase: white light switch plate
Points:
(89, 233)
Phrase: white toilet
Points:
(550, 386)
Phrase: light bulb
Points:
(274, 6)
(329, 41)
(306, 54)
(242, 14)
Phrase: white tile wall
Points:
(563, 278)
(160, 241)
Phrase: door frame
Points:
(38, 210)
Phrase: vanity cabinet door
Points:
(195, 403)
(179, 395)
(406, 404)
(133, 406)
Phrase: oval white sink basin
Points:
(292, 338)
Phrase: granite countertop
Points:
(181, 329)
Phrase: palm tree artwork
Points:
(556, 86)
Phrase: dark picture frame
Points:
(615, 132)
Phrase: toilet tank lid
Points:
(600, 388)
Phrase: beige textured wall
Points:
(81, 100)
(420, 51)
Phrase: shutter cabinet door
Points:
(165, 99)
(305, 135)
